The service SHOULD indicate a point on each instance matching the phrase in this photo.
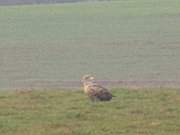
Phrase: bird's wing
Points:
(98, 88)
(99, 91)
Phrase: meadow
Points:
(61, 112)
(115, 40)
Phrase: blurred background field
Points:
(115, 40)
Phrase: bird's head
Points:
(87, 78)
(87, 81)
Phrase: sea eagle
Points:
(95, 91)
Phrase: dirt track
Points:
(55, 85)
(21, 2)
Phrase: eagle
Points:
(95, 91)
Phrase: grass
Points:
(131, 112)
(124, 39)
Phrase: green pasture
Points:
(130, 112)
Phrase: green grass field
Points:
(125, 39)
(117, 40)
(131, 112)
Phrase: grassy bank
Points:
(131, 112)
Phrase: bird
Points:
(95, 91)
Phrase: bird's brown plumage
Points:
(95, 91)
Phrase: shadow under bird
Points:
(95, 91)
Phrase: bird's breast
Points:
(86, 88)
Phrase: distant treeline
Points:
(19, 2)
